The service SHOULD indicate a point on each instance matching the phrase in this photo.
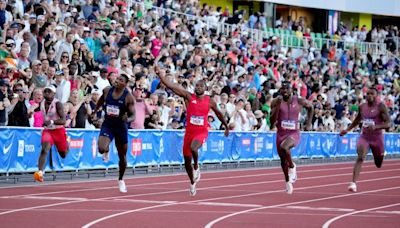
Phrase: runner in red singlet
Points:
(374, 117)
(198, 105)
(285, 113)
(54, 131)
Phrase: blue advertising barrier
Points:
(20, 148)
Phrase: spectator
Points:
(37, 117)
(81, 109)
(39, 79)
(4, 102)
(142, 108)
(167, 109)
(18, 115)
(102, 81)
(63, 87)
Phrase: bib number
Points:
(368, 123)
(288, 124)
(197, 120)
(112, 110)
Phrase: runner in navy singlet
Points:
(285, 113)
(198, 105)
(374, 117)
(117, 102)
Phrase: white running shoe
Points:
(289, 188)
(352, 187)
(106, 157)
(192, 189)
(293, 174)
(122, 186)
(196, 175)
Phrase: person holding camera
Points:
(4, 102)
(18, 115)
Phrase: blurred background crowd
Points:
(81, 46)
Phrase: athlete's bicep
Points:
(384, 113)
(305, 103)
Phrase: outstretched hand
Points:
(343, 132)
(226, 133)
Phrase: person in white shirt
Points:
(167, 109)
(102, 81)
(230, 106)
(63, 89)
(239, 116)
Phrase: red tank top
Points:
(288, 119)
(197, 113)
(370, 115)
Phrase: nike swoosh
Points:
(7, 149)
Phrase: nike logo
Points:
(194, 102)
(7, 149)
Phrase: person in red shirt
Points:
(198, 105)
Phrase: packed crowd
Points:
(82, 46)
(378, 34)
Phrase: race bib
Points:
(112, 110)
(288, 124)
(368, 122)
(197, 120)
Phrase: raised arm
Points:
(176, 88)
(217, 112)
(310, 112)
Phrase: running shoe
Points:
(289, 187)
(196, 175)
(352, 187)
(192, 189)
(122, 186)
(293, 174)
(106, 157)
(38, 176)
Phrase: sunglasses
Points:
(65, 56)
(18, 90)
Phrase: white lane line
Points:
(323, 168)
(319, 208)
(214, 187)
(239, 196)
(144, 201)
(54, 198)
(330, 221)
(227, 204)
(213, 222)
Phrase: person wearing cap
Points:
(261, 122)
(119, 108)
(285, 113)
(63, 90)
(38, 77)
(54, 132)
(198, 107)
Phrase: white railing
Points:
(286, 40)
